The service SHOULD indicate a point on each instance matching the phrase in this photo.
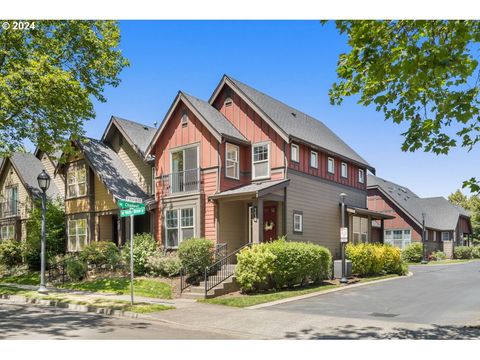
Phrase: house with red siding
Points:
(244, 168)
(446, 225)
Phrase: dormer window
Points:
(361, 176)
(185, 117)
(331, 165)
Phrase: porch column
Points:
(382, 232)
(119, 230)
(259, 227)
(369, 229)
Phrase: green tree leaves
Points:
(48, 78)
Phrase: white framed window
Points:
(344, 170)
(297, 222)
(398, 238)
(261, 161)
(360, 229)
(445, 235)
(361, 176)
(179, 226)
(232, 163)
(331, 165)
(7, 232)
(295, 152)
(313, 159)
(77, 180)
(77, 234)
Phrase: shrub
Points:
(10, 253)
(76, 269)
(462, 252)
(196, 255)
(144, 246)
(476, 252)
(101, 253)
(163, 265)
(254, 267)
(413, 253)
(375, 259)
(438, 255)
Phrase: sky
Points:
(293, 61)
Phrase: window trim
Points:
(316, 159)
(254, 177)
(294, 146)
(404, 244)
(342, 166)
(333, 165)
(179, 225)
(77, 164)
(9, 236)
(87, 237)
(297, 213)
(361, 179)
(445, 232)
(237, 163)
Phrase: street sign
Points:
(343, 234)
(123, 204)
(133, 199)
(132, 211)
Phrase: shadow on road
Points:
(23, 321)
(435, 332)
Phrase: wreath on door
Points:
(269, 225)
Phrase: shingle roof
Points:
(440, 214)
(253, 188)
(215, 118)
(29, 167)
(300, 125)
(140, 135)
(111, 170)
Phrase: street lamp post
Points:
(344, 279)
(44, 183)
(424, 258)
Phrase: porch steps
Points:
(227, 286)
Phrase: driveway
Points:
(435, 294)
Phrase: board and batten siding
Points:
(320, 203)
(50, 168)
(9, 179)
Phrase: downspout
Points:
(216, 203)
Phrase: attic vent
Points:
(184, 117)
(228, 97)
(294, 115)
(402, 189)
(145, 128)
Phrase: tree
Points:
(471, 204)
(48, 78)
(421, 72)
(459, 199)
(55, 232)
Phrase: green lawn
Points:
(121, 286)
(30, 278)
(255, 299)
(444, 262)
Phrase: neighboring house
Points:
(446, 224)
(244, 167)
(100, 174)
(18, 191)
(50, 163)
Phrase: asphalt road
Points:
(440, 295)
(34, 322)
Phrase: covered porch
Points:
(366, 225)
(253, 213)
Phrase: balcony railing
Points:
(182, 182)
(9, 208)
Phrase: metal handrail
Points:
(59, 269)
(183, 181)
(219, 271)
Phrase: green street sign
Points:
(132, 211)
(123, 204)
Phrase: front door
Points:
(269, 222)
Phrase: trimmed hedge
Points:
(463, 252)
(375, 259)
(10, 253)
(101, 253)
(281, 264)
(438, 255)
(476, 252)
(196, 255)
(163, 265)
(413, 253)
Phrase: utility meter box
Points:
(337, 269)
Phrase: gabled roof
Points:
(54, 158)
(213, 120)
(292, 122)
(440, 214)
(28, 167)
(137, 135)
(110, 169)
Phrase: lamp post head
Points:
(343, 196)
(43, 181)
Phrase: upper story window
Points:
(9, 203)
(185, 175)
(361, 176)
(77, 180)
(232, 163)
(313, 159)
(344, 170)
(261, 161)
(295, 153)
(331, 165)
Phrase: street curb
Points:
(73, 307)
(319, 293)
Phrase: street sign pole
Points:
(131, 259)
